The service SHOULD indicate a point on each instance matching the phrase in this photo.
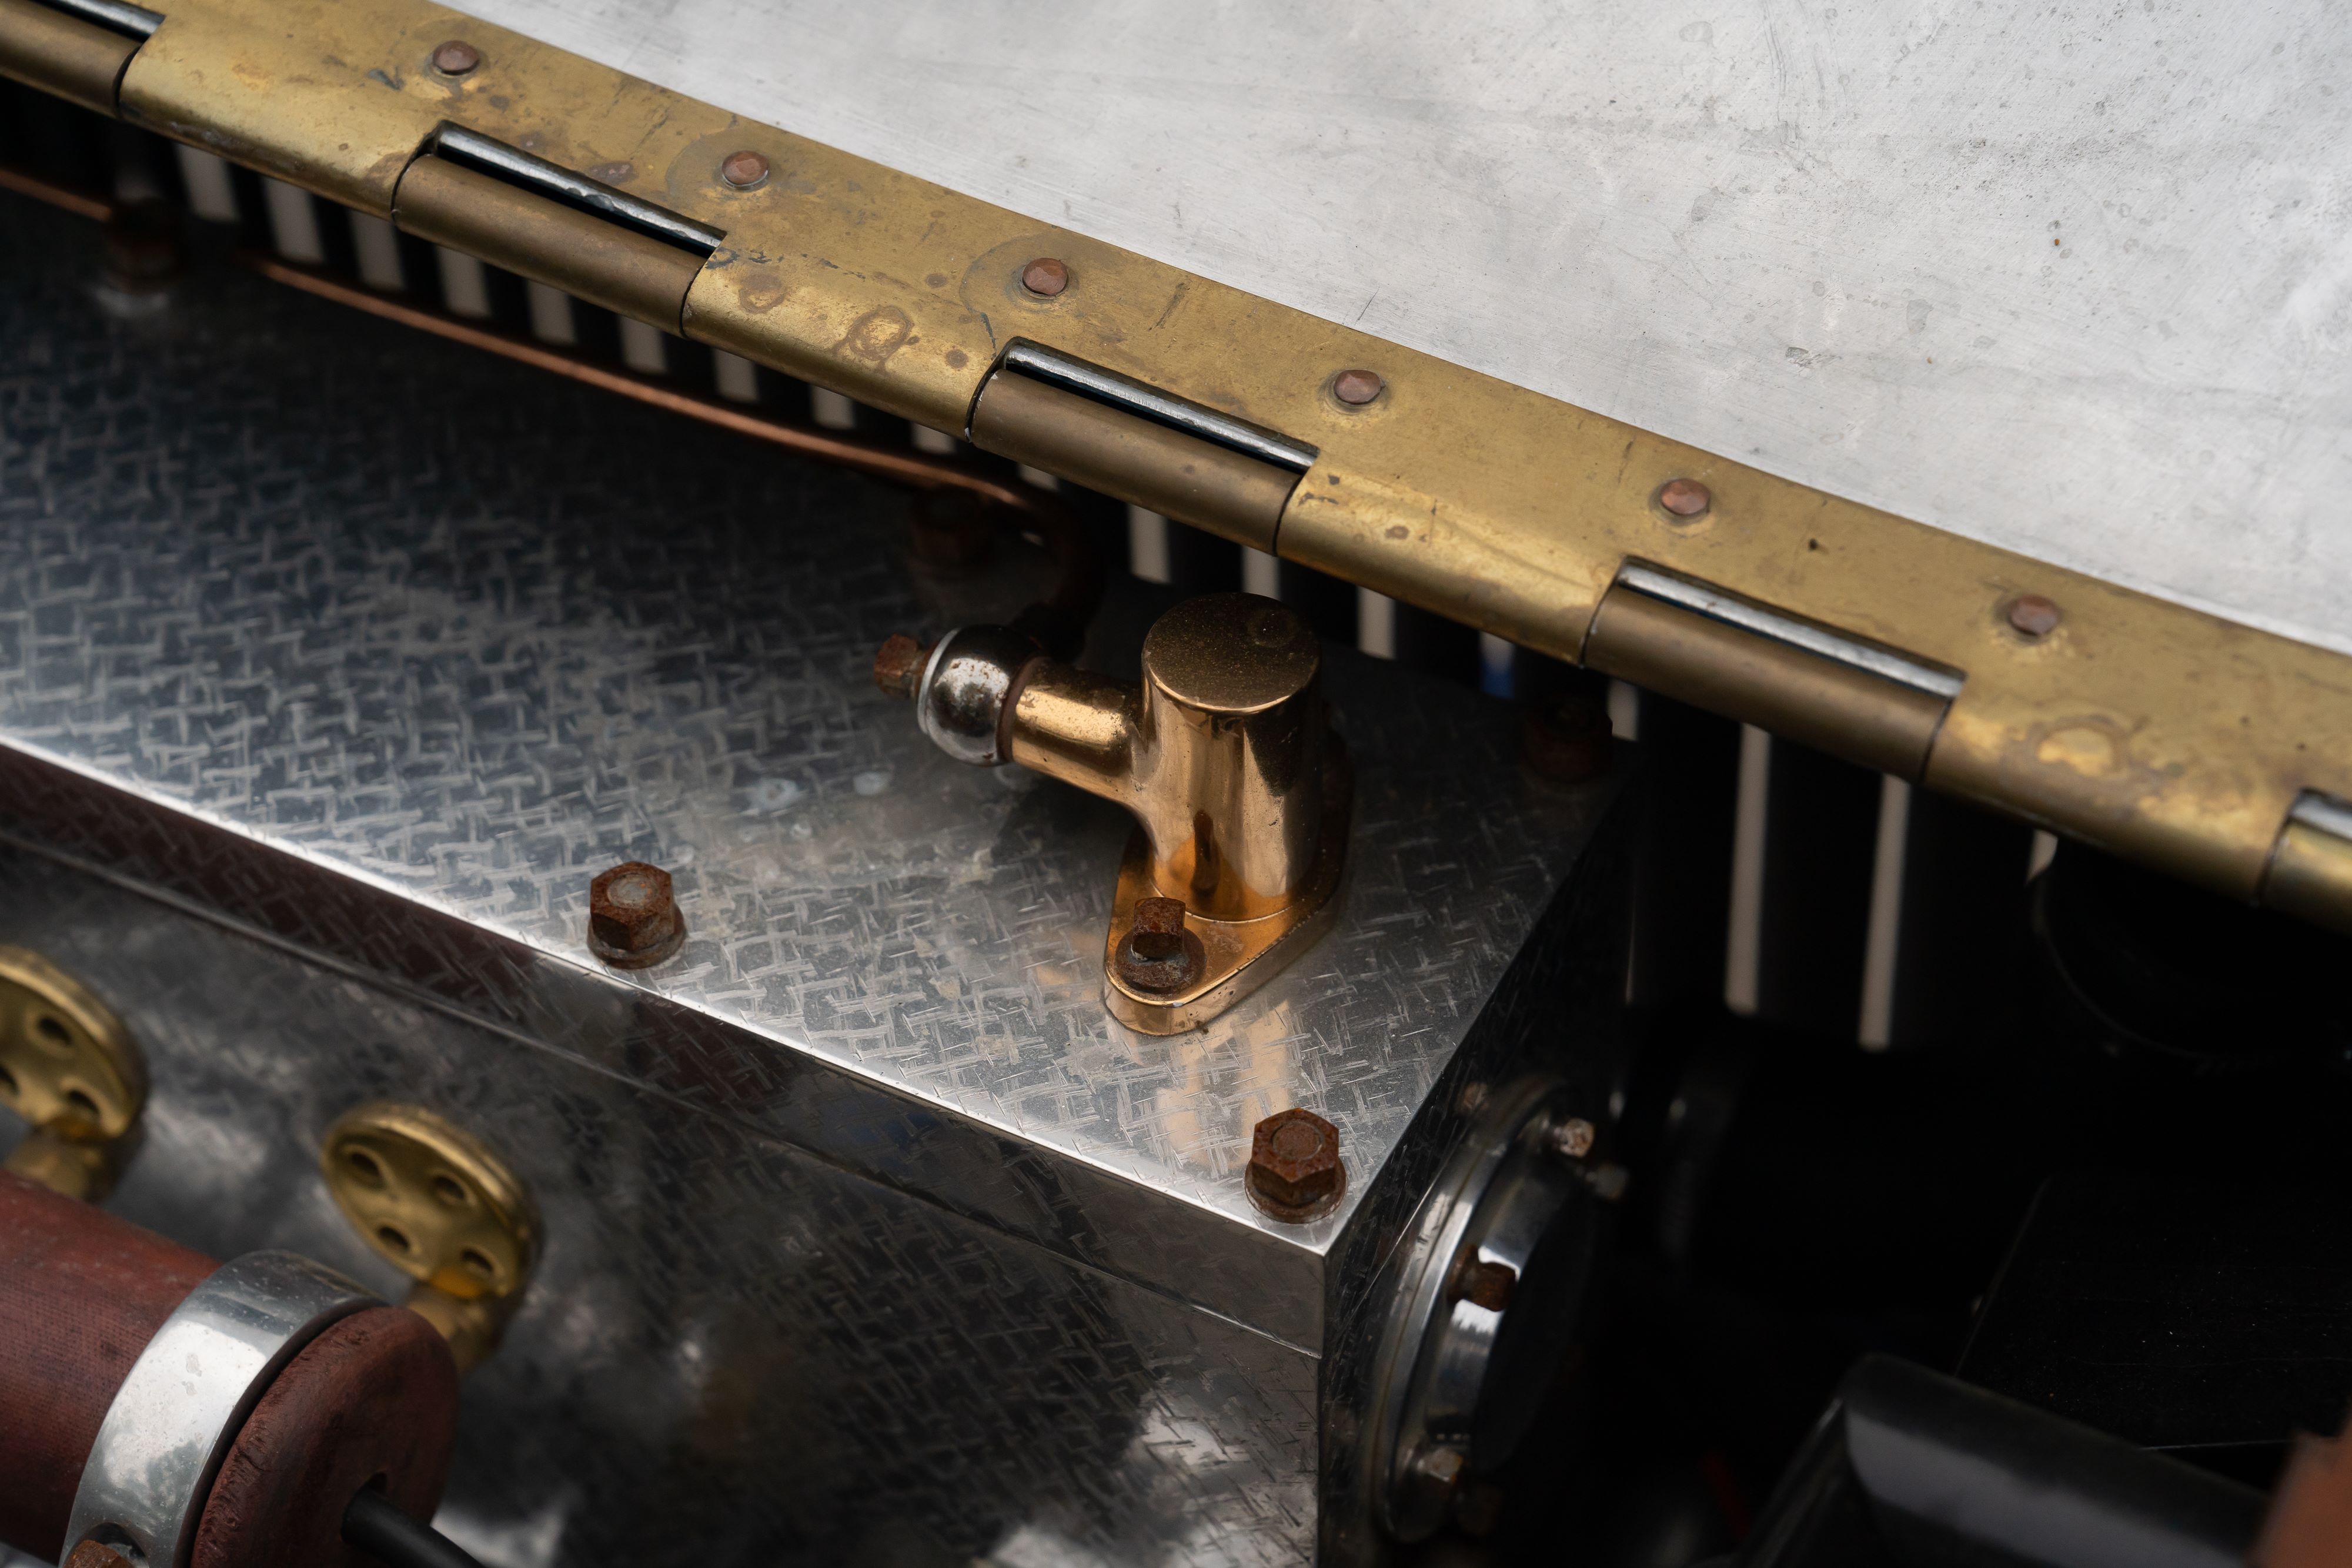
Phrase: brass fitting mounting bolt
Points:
(1223, 753)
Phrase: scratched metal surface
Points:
(732, 1351)
(447, 638)
(2072, 279)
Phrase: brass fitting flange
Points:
(445, 1210)
(68, 1067)
(1223, 753)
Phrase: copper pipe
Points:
(1058, 622)
(97, 209)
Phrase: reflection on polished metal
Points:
(867, 1170)
(1485, 1294)
(1225, 755)
(69, 1068)
(444, 1209)
(185, 1396)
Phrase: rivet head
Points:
(743, 170)
(1357, 387)
(2033, 616)
(1684, 498)
(1046, 276)
(456, 58)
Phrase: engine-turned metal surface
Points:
(363, 655)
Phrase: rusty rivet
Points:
(1294, 1171)
(899, 665)
(2033, 615)
(1566, 739)
(1684, 498)
(1357, 387)
(456, 58)
(743, 170)
(1046, 276)
(1158, 955)
(633, 917)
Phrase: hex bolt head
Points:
(1357, 387)
(744, 170)
(91, 1554)
(1684, 498)
(456, 58)
(1566, 739)
(633, 917)
(1046, 276)
(1158, 955)
(1295, 1173)
(2032, 615)
(899, 666)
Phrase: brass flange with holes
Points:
(68, 1067)
(447, 1211)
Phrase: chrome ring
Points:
(172, 1420)
(960, 703)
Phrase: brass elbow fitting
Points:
(1223, 753)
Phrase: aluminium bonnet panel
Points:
(2068, 281)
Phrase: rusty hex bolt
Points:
(632, 919)
(91, 1554)
(1294, 1167)
(1684, 498)
(2033, 615)
(1046, 276)
(1357, 387)
(1158, 956)
(743, 170)
(898, 667)
(456, 58)
(1482, 1283)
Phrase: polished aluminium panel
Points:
(731, 1351)
(387, 650)
(2073, 281)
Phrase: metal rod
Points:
(115, 16)
(552, 180)
(1718, 605)
(2323, 812)
(1103, 386)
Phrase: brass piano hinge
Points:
(74, 48)
(475, 194)
(2141, 726)
(1814, 684)
(1139, 444)
(2310, 867)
